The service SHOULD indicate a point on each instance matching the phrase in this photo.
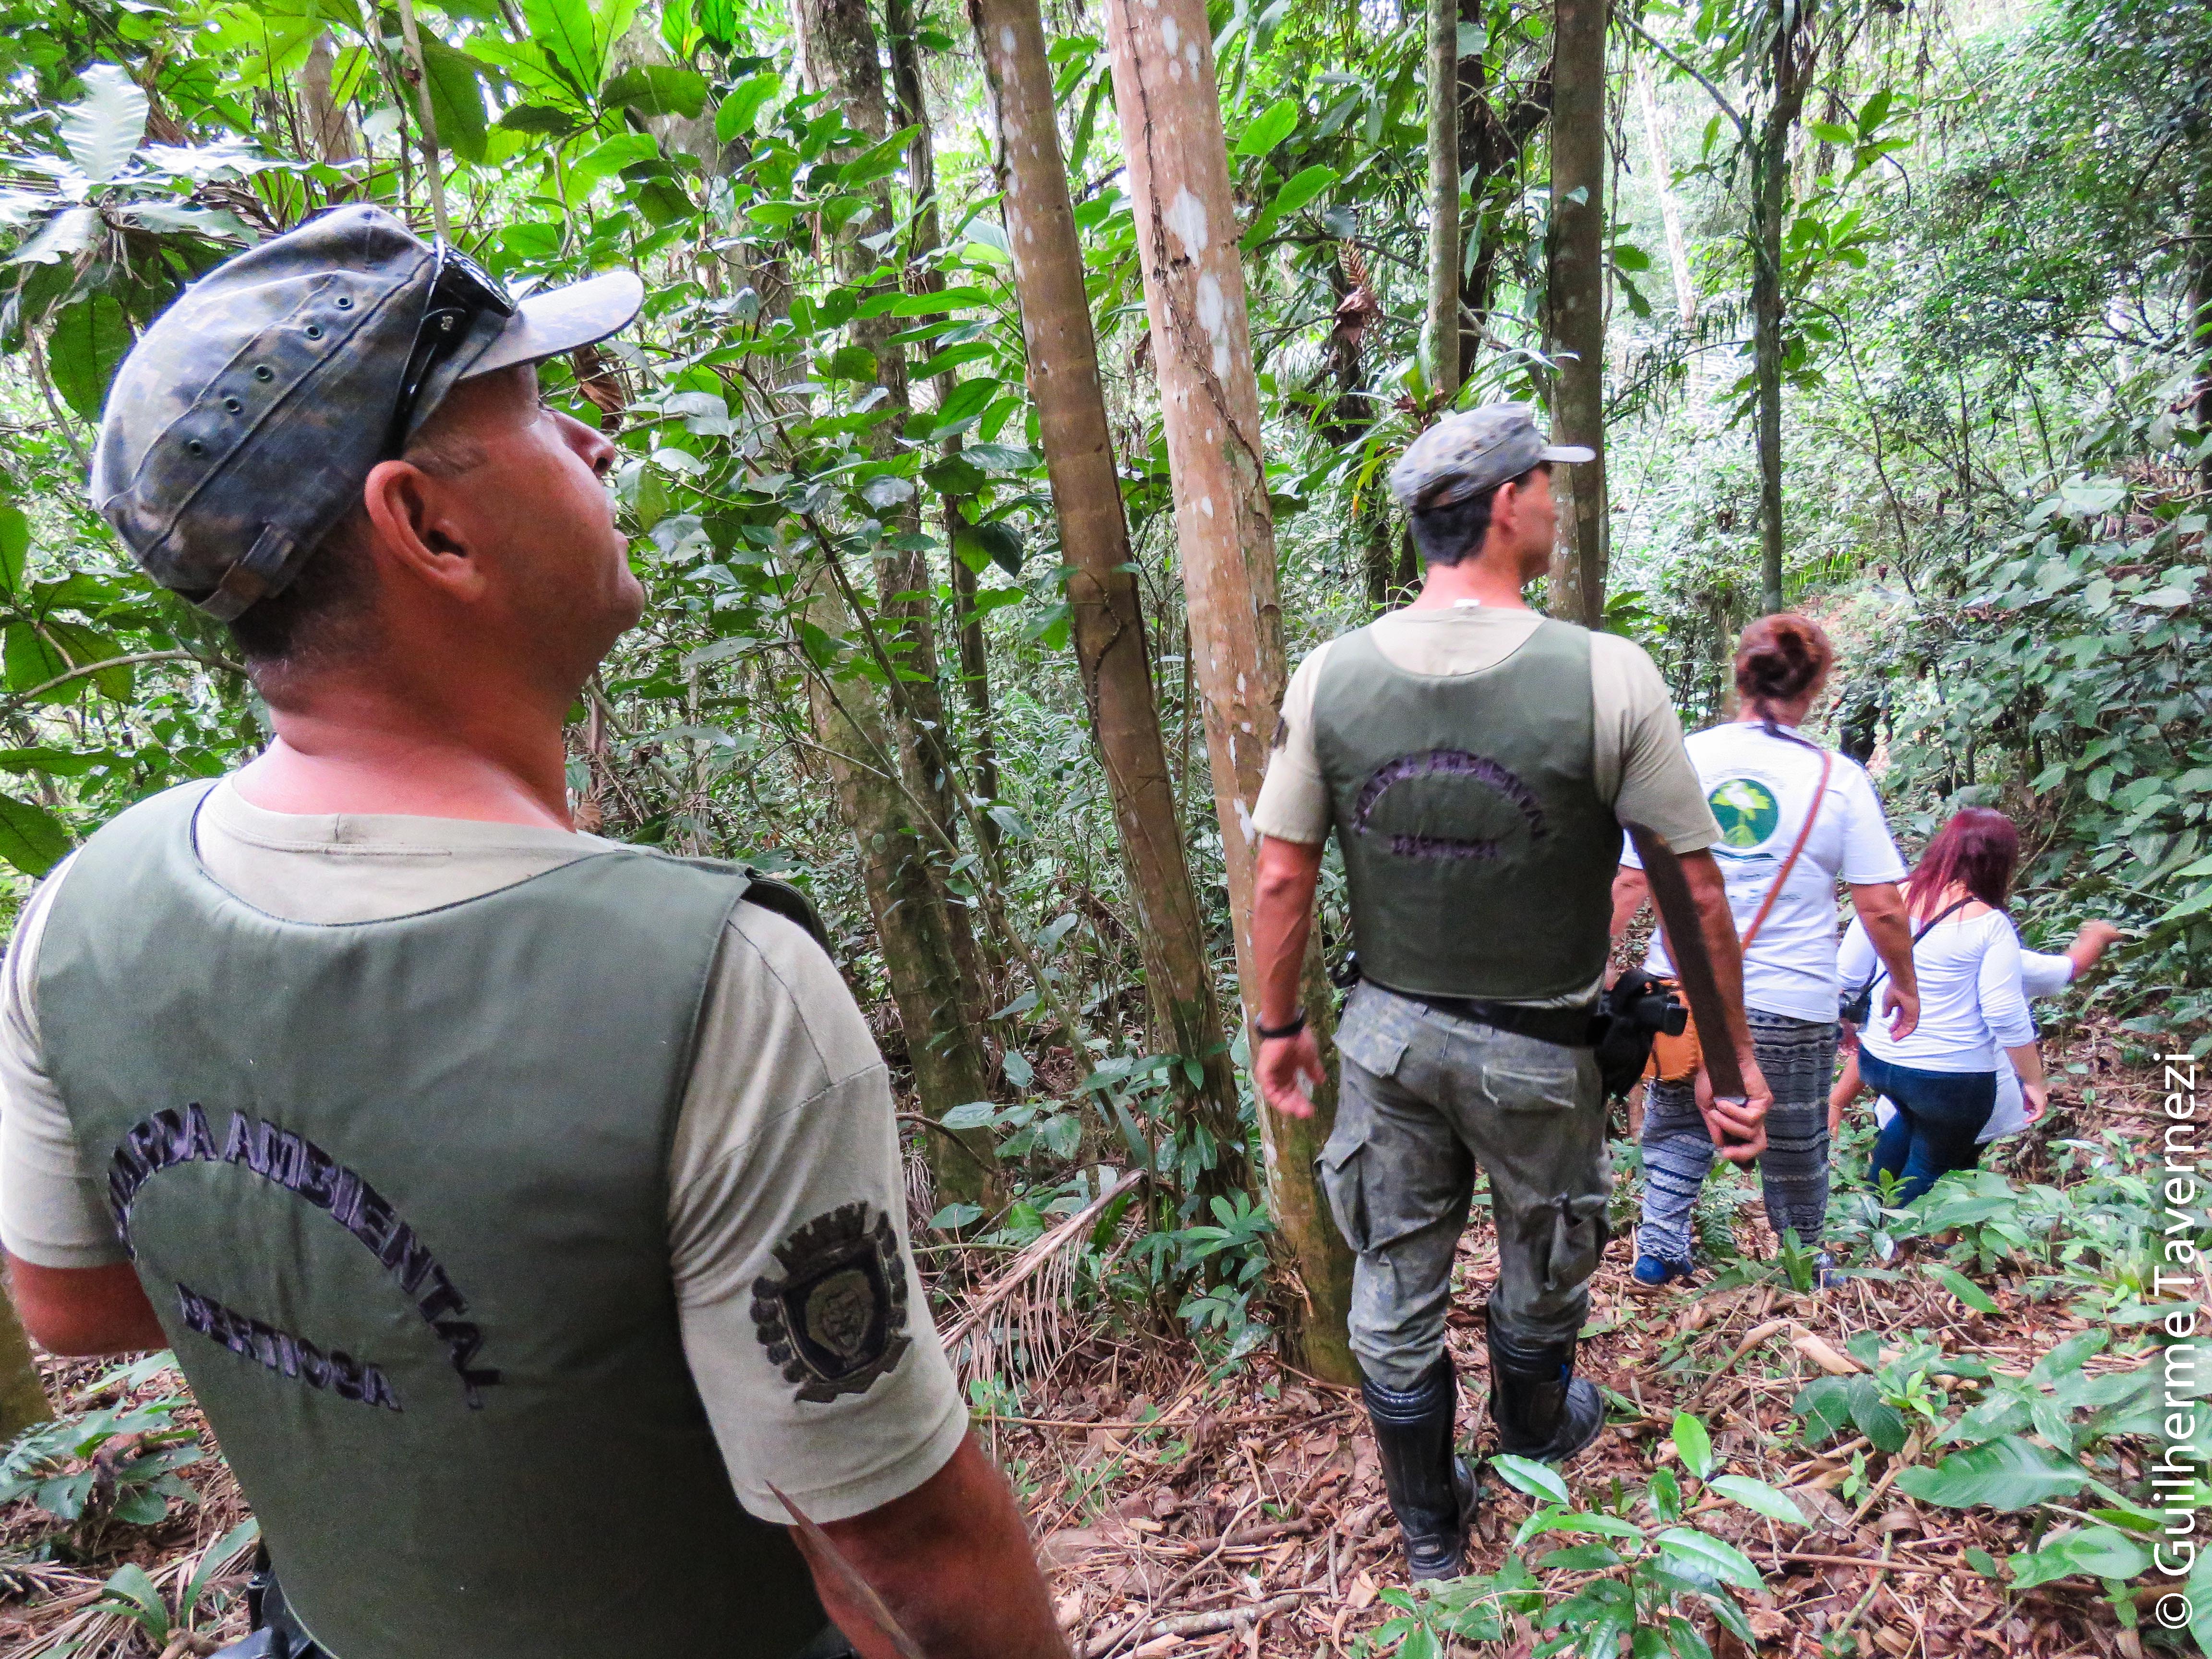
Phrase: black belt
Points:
(1573, 1027)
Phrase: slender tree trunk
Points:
(331, 129)
(1576, 290)
(1444, 248)
(22, 1393)
(2199, 302)
(912, 926)
(1194, 278)
(840, 57)
(1108, 623)
(929, 951)
(1662, 181)
(1789, 73)
(974, 667)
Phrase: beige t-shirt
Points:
(1640, 768)
(787, 1117)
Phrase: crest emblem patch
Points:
(834, 1320)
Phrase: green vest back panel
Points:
(1478, 856)
(398, 1192)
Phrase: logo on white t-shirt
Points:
(1747, 812)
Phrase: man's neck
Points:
(354, 749)
(1491, 580)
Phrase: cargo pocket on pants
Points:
(1578, 1236)
(1338, 1170)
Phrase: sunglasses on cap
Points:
(461, 290)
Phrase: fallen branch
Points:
(1756, 1335)
(1202, 1623)
(1030, 1260)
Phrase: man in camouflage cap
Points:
(1475, 764)
(526, 1210)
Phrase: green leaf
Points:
(2090, 1551)
(103, 129)
(1000, 543)
(946, 299)
(227, 1548)
(133, 1593)
(575, 39)
(1303, 187)
(30, 658)
(15, 546)
(2011, 1473)
(88, 341)
(31, 838)
(976, 1115)
(457, 102)
(1982, 1562)
(735, 118)
(850, 362)
(1876, 1419)
(1269, 129)
(955, 1215)
(538, 117)
(1694, 1445)
(968, 399)
(1579, 1558)
(87, 645)
(1829, 133)
(1757, 1495)
(1525, 1474)
(659, 89)
(1963, 1288)
(1711, 1558)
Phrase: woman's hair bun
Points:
(1779, 659)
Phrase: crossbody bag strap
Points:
(1940, 915)
(1804, 834)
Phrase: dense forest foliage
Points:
(1907, 323)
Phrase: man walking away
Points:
(524, 1209)
(1475, 762)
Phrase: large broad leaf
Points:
(14, 545)
(88, 342)
(1693, 1444)
(2011, 1473)
(742, 108)
(63, 236)
(576, 37)
(31, 660)
(1274, 124)
(87, 645)
(1759, 1495)
(1537, 1479)
(101, 131)
(31, 838)
(457, 102)
(659, 89)
(2093, 1552)
(1709, 1557)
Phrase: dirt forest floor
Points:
(1181, 1513)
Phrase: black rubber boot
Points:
(1541, 1408)
(1432, 1492)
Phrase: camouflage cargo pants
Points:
(1426, 1098)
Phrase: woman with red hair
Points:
(1943, 1077)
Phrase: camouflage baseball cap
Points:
(1467, 454)
(244, 423)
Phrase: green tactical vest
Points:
(1478, 856)
(398, 1193)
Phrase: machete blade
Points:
(879, 1615)
(1686, 946)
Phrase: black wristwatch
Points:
(1268, 1033)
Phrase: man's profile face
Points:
(1536, 522)
(536, 507)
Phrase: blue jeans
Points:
(1938, 1115)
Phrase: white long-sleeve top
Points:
(1972, 1003)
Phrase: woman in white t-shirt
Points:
(1795, 818)
(1942, 1076)
(2042, 974)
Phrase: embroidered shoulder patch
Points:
(835, 1319)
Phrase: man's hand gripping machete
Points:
(1685, 944)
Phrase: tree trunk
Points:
(1445, 250)
(1178, 172)
(1670, 205)
(1576, 296)
(929, 951)
(330, 130)
(839, 54)
(1108, 623)
(2199, 344)
(22, 1393)
(912, 926)
(1789, 73)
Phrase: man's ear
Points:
(417, 533)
